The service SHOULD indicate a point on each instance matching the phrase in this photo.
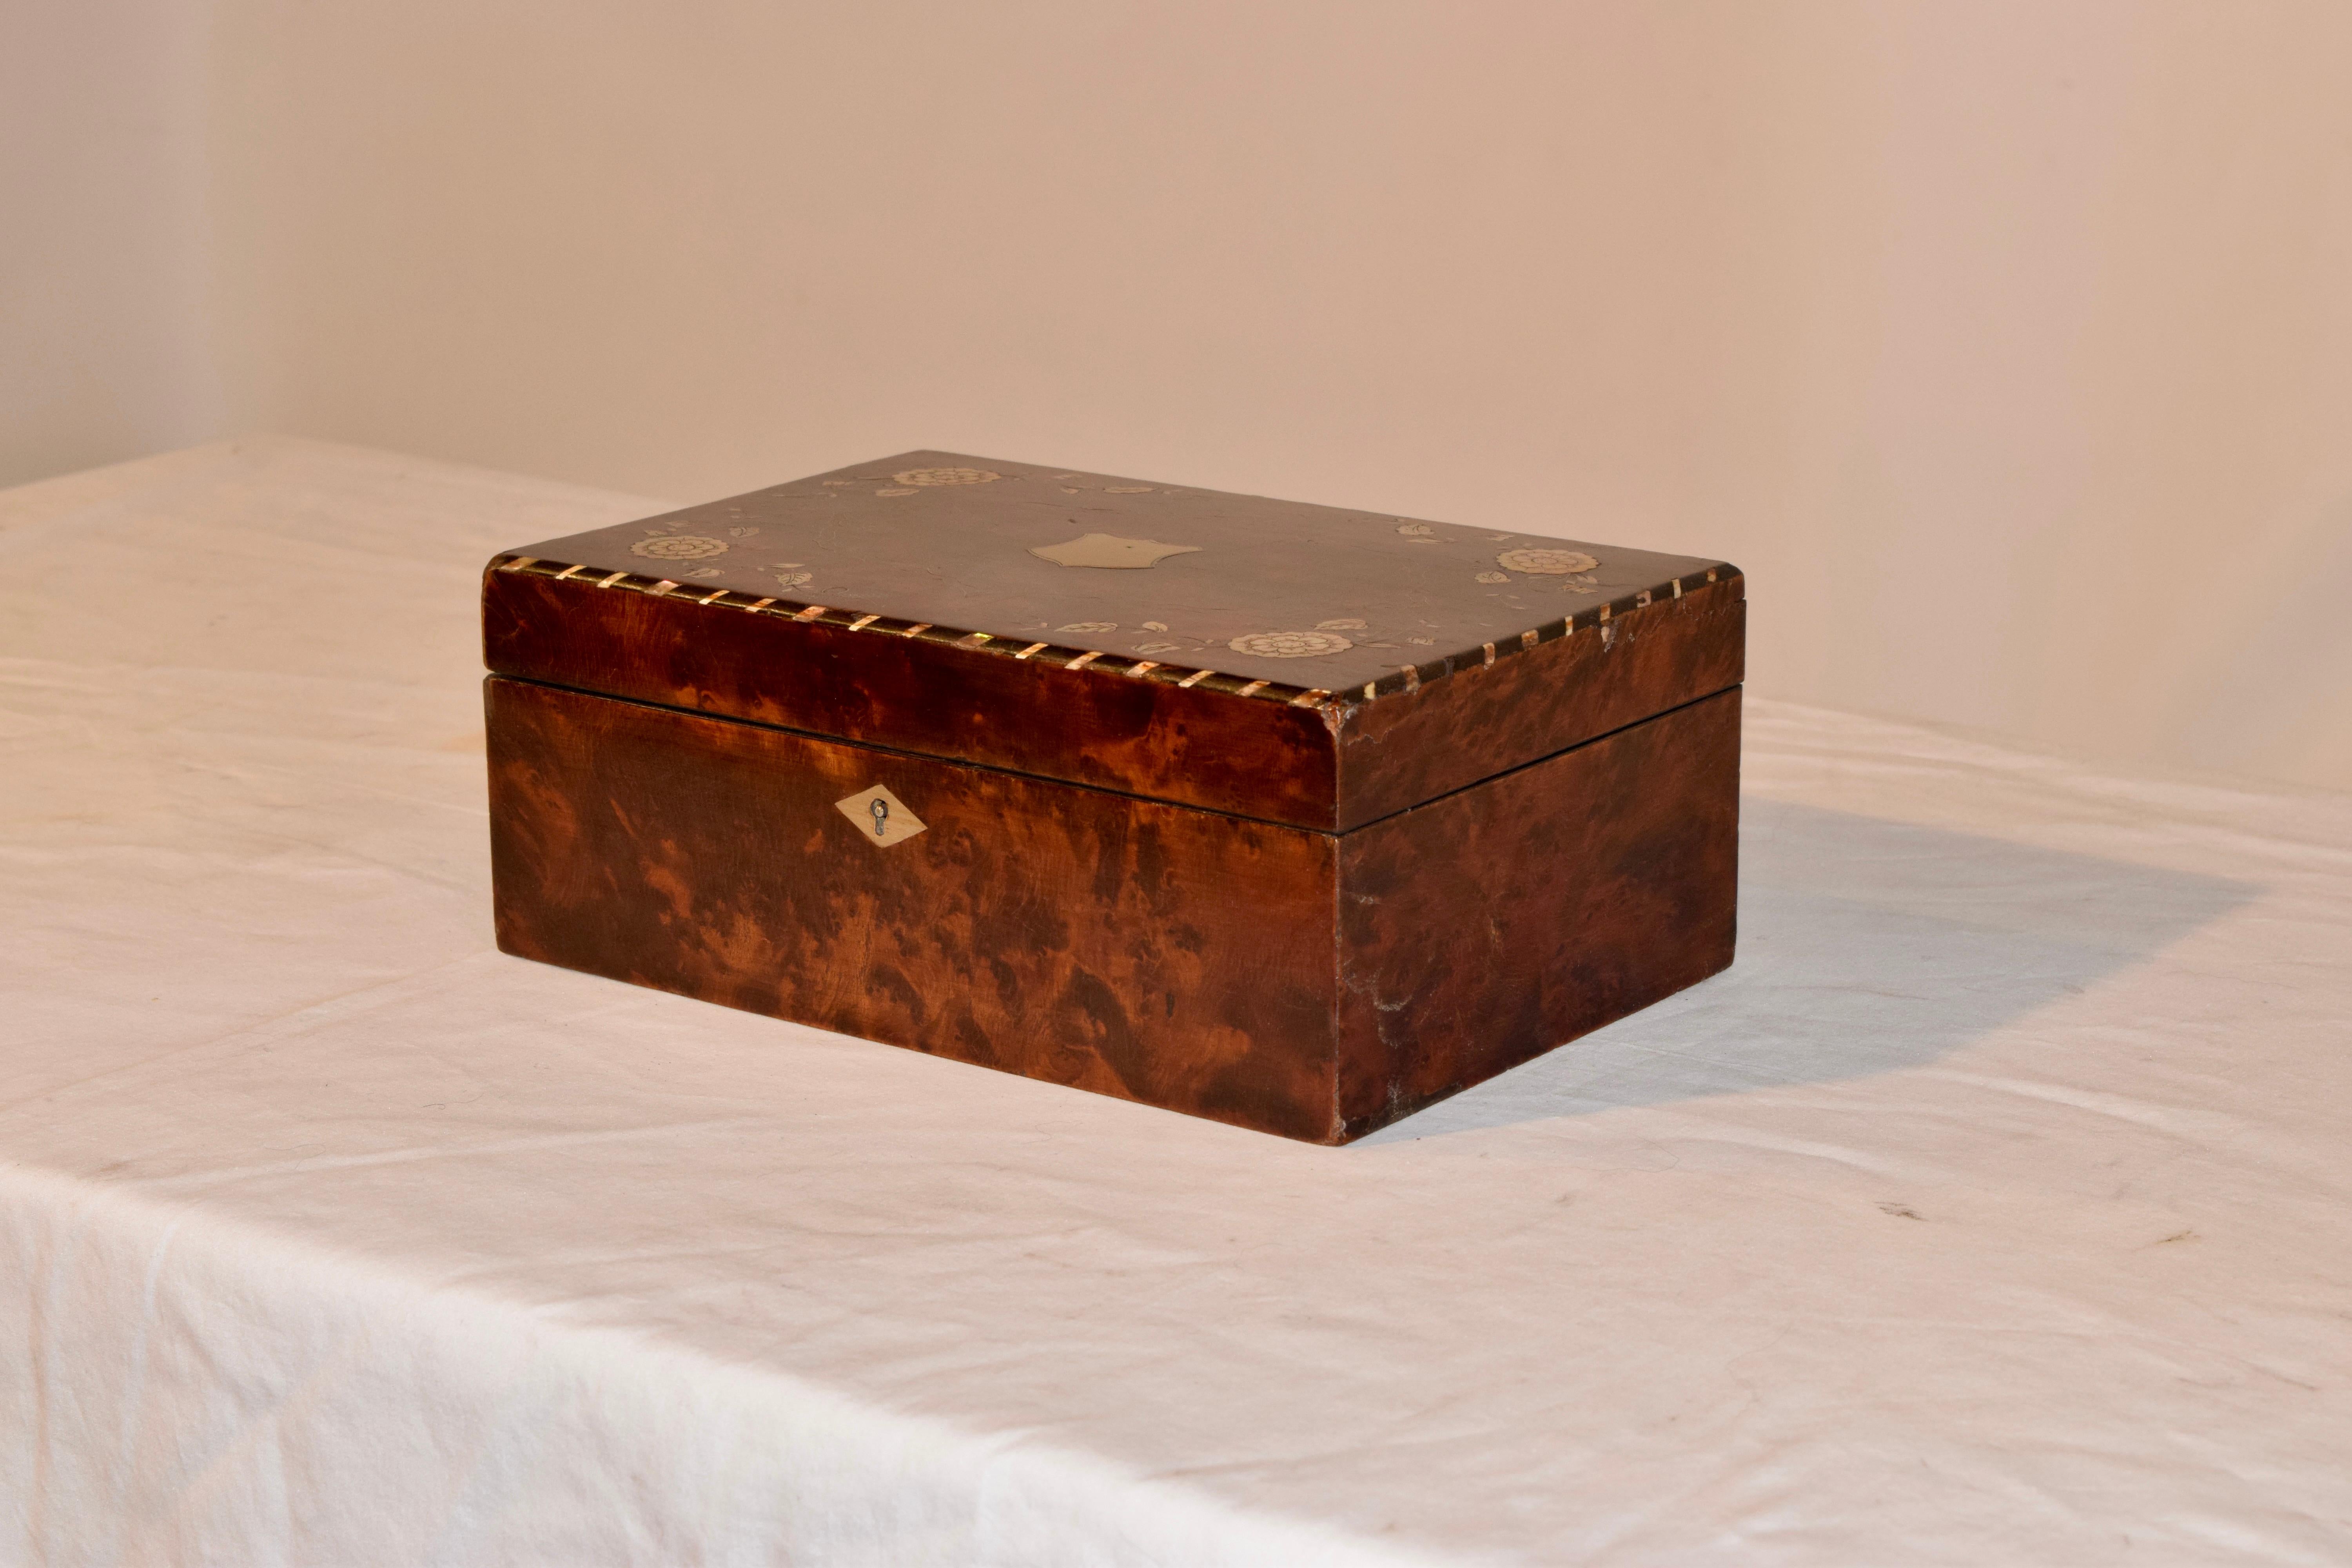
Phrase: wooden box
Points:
(1292, 816)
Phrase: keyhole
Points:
(881, 810)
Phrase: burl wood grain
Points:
(1266, 760)
(1483, 720)
(1377, 592)
(1336, 766)
(1150, 952)
(1309, 983)
(1488, 927)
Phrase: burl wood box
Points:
(1288, 816)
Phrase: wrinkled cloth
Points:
(1992, 1208)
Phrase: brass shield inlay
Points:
(1109, 550)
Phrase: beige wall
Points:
(104, 277)
(2009, 346)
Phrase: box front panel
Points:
(1173, 956)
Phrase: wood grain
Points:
(1309, 983)
(1392, 591)
(1338, 763)
(1140, 950)
(1266, 760)
(1490, 926)
(1484, 720)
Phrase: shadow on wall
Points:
(1864, 946)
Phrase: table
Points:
(1993, 1208)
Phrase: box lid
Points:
(1300, 664)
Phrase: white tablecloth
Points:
(1992, 1209)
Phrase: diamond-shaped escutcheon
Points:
(881, 817)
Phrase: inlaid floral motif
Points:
(1546, 563)
(945, 476)
(678, 547)
(1494, 576)
(1290, 645)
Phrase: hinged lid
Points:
(1298, 663)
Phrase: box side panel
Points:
(1487, 927)
(1486, 717)
(1150, 737)
(1176, 957)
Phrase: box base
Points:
(1312, 984)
